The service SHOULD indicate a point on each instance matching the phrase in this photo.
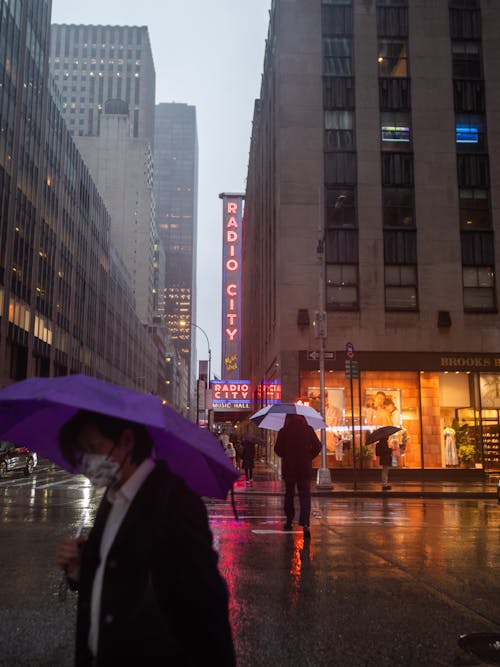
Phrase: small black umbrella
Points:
(382, 432)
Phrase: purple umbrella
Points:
(32, 412)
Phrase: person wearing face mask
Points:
(147, 575)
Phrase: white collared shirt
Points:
(120, 501)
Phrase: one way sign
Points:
(313, 355)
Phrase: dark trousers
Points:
(304, 489)
(248, 474)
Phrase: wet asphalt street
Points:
(384, 581)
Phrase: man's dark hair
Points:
(110, 427)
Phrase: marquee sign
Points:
(231, 395)
(269, 393)
(231, 284)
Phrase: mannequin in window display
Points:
(394, 445)
(333, 417)
(450, 447)
(339, 447)
(404, 437)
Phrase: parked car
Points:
(14, 457)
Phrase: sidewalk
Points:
(267, 482)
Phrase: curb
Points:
(458, 495)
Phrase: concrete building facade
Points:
(95, 63)
(122, 167)
(66, 305)
(373, 197)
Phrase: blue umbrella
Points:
(273, 416)
(32, 412)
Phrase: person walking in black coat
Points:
(297, 445)
(248, 458)
(149, 589)
(384, 453)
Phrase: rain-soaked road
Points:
(383, 581)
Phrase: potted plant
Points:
(467, 455)
(466, 450)
(366, 455)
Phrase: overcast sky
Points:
(209, 54)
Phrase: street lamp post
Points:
(197, 326)
(324, 479)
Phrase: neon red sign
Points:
(231, 285)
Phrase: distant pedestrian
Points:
(224, 440)
(384, 453)
(239, 453)
(231, 453)
(248, 458)
(297, 444)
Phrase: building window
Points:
(337, 20)
(478, 273)
(397, 169)
(468, 96)
(400, 247)
(466, 60)
(340, 168)
(342, 246)
(465, 23)
(473, 171)
(340, 207)
(479, 288)
(394, 94)
(400, 287)
(338, 92)
(392, 21)
(474, 209)
(392, 58)
(342, 287)
(395, 131)
(397, 207)
(337, 56)
(339, 133)
(470, 132)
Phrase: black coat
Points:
(248, 453)
(163, 599)
(384, 452)
(297, 445)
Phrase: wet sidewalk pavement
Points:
(268, 482)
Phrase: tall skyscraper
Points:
(66, 305)
(95, 63)
(373, 195)
(176, 191)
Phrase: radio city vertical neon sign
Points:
(231, 284)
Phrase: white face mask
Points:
(100, 469)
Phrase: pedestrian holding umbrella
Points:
(297, 444)
(147, 573)
(382, 450)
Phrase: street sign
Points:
(351, 369)
(349, 351)
(313, 355)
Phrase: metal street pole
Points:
(324, 478)
(210, 412)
